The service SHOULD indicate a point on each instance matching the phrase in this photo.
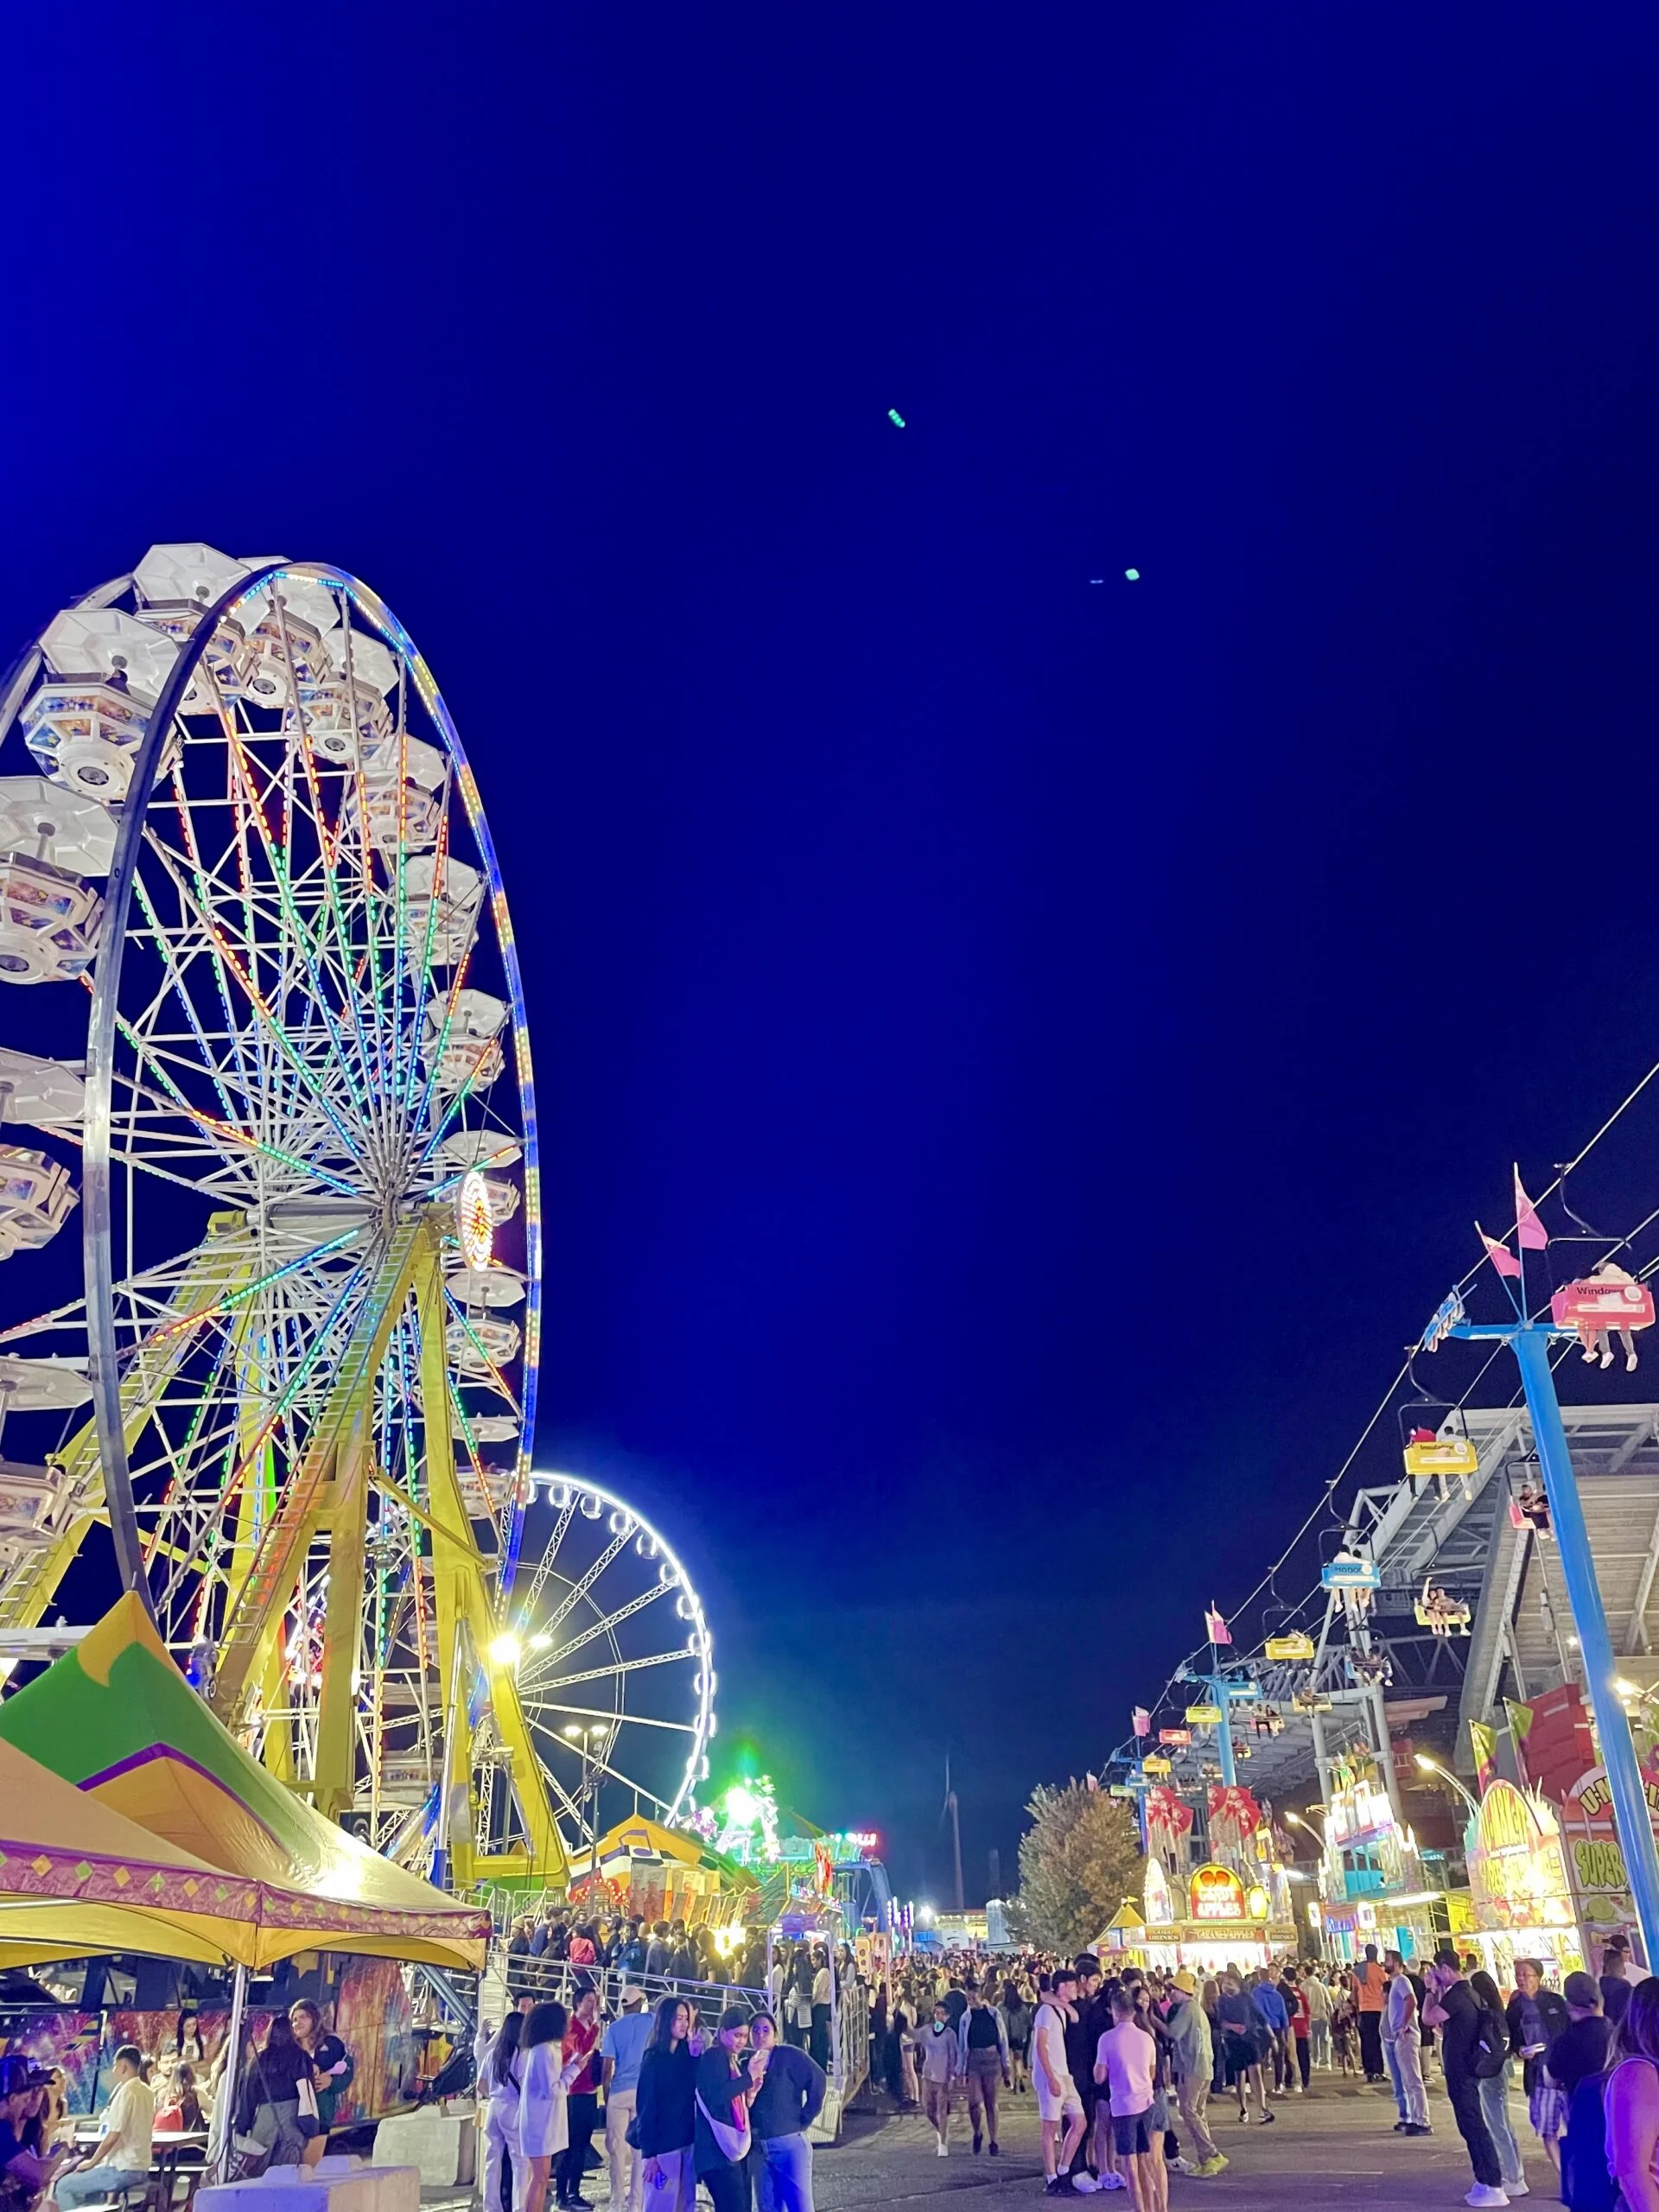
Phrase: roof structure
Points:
(1466, 1539)
(117, 1719)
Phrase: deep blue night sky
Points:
(1019, 1054)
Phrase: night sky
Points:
(1020, 1050)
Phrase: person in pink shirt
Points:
(1126, 2060)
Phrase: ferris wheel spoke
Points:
(594, 1631)
(632, 1720)
(272, 1027)
(578, 1591)
(618, 1668)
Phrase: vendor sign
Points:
(1595, 1858)
(1517, 1870)
(1216, 1893)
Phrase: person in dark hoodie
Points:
(1461, 2020)
(1536, 2016)
(785, 2106)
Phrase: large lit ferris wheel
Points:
(295, 1390)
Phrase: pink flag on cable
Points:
(1217, 1629)
(1532, 1234)
(1500, 1255)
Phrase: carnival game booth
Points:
(1208, 1920)
(1595, 1859)
(208, 1861)
(1522, 1896)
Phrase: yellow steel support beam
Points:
(255, 1618)
(463, 1595)
(347, 1513)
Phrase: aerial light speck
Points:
(895, 417)
(1134, 575)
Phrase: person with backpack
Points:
(1468, 2035)
(1580, 2055)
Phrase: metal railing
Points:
(527, 1976)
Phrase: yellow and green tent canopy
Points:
(115, 1719)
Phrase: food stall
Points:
(1595, 1859)
(1206, 1921)
(1524, 1901)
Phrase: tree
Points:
(1078, 1860)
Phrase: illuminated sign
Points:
(1155, 1765)
(1205, 1716)
(473, 1225)
(1216, 1893)
(1256, 1903)
(1179, 1737)
(1345, 1571)
(1360, 1809)
(1517, 1870)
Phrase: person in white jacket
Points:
(497, 2083)
(544, 2077)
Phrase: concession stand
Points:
(1524, 1905)
(1206, 1920)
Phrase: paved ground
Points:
(1334, 2147)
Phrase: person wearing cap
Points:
(28, 2170)
(122, 2157)
(1191, 2046)
(619, 2054)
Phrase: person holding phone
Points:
(1535, 2016)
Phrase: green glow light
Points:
(1134, 575)
(894, 416)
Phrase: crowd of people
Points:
(723, 2098)
(285, 2100)
(661, 1950)
(1130, 2068)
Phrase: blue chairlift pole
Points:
(1221, 1694)
(1530, 1341)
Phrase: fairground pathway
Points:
(1332, 2148)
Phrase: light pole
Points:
(583, 1737)
(1530, 1341)
(1433, 1766)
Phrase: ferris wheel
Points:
(296, 1385)
(614, 1664)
